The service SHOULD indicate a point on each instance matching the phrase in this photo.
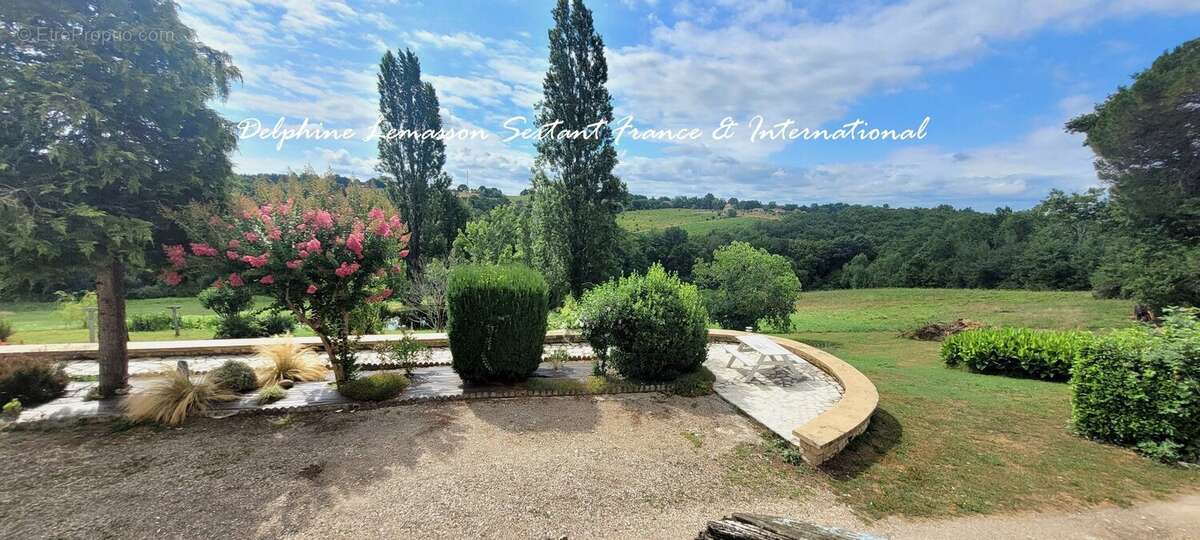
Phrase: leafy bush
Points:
(275, 323)
(496, 321)
(743, 285)
(649, 328)
(31, 380)
(239, 326)
(170, 399)
(234, 376)
(1141, 388)
(405, 352)
(226, 301)
(367, 319)
(374, 387)
(289, 360)
(150, 322)
(6, 330)
(1019, 352)
(566, 317)
(70, 307)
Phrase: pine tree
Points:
(411, 160)
(98, 136)
(580, 168)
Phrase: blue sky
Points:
(996, 78)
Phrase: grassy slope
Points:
(945, 441)
(693, 221)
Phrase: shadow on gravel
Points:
(572, 414)
(882, 434)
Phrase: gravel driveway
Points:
(633, 466)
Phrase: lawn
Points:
(695, 222)
(945, 441)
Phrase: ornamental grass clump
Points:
(496, 321)
(289, 360)
(170, 399)
(318, 250)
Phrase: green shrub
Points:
(31, 380)
(1018, 352)
(239, 326)
(374, 387)
(235, 376)
(496, 321)
(271, 394)
(275, 323)
(743, 285)
(226, 301)
(6, 330)
(367, 319)
(150, 322)
(1141, 388)
(649, 328)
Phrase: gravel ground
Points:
(633, 466)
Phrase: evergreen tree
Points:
(580, 168)
(409, 157)
(97, 136)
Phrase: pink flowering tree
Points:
(318, 261)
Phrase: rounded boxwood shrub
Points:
(374, 387)
(496, 321)
(31, 380)
(235, 376)
(1141, 388)
(1019, 352)
(649, 328)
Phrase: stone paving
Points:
(781, 398)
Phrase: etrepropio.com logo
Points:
(46, 33)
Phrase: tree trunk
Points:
(113, 335)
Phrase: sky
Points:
(997, 79)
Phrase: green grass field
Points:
(945, 441)
(695, 222)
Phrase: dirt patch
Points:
(610, 466)
(941, 330)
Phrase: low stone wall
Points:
(827, 434)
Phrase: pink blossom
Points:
(267, 279)
(248, 214)
(303, 254)
(214, 220)
(232, 255)
(274, 235)
(172, 278)
(251, 236)
(294, 264)
(376, 215)
(323, 220)
(379, 296)
(312, 289)
(354, 243)
(346, 269)
(396, 269)
(404, 238)
(235, 243)
(218, 284)
(176, 255)
(382, 229)
(203, 250)
(257, 262)
(403, 253)
(235, 280)
(314, 246)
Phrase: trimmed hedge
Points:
(1019, 352)
(496, 321)
(1141, 388)
(649, 328)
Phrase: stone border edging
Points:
(828, 433)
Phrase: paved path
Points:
(781, 399)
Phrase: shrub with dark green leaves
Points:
(6, 330)
(239, 326)
(1017, 352)
(374, 387)
(648, 327)
(235, 376)
(31, 380)
(1141, 388)
(496, 321)
(744, 285)
(274, 323)
(150, 322)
